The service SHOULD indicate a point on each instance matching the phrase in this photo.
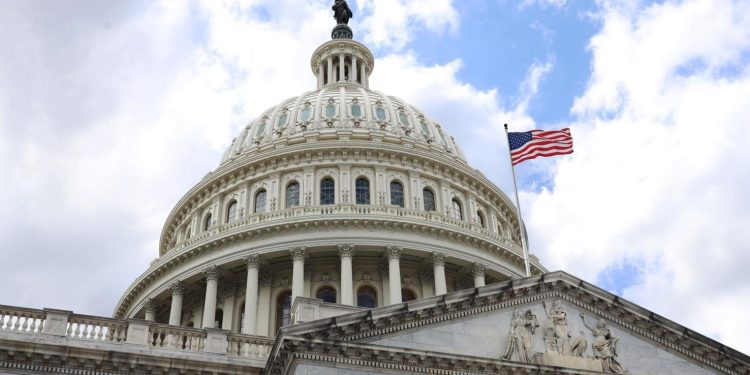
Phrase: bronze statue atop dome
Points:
(341, 12)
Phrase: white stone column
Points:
(150, 309)
(229, 294)
(320, 75)
(478, 271)
(346, 252)
(341, 67)
(438, 267)
(330, 69)
(298, 271)
(354, 69)
(175, 313)
(366, 77)
(251, 295)
(394, 273)
(209, 305)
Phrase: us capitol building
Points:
(344, 233)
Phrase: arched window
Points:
(260, 201)
(327, 294)
(367, 297)
(292, 195)
(218, 318)
(407, 295)
(232, 211)
(283, 309)
(457, 212)
(207, 222)
(480, 216)
(362, 186)
(429, 199)
(327, 191)
(397, 194)
(187, 234)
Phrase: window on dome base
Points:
(425, 129)
(367, 297)
(207, 222)
(232, 211)
(260, 201)
(457, 211)
(281, 122)
(306, 114)
(403, 119)
(261, 129)
(327, 294)
(429, 199)
(292, 195)
(397, 194)
(362, 187)
(327, 191)
(407, 295)
(330, 110)
(480, 217)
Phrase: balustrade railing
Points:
(78, 328)
(19, 319)
(249, 346)
(178, 338)
(345, 209)
(95, 328)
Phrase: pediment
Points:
(556, 321)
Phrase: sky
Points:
(111, 110)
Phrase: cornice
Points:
(282, 156)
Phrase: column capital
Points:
(252, 261)
(393, 252)
(478, 269)
(177, 287)
(346, 250)
(211, 273)
(149, 305)
(438, 259)
(298, 253)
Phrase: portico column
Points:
(394, 272)
(251, 295)
(150, 308)
(209, 306)
(478, 271)
(330, 69)
(346, 251)
(438, 267)
(175, 313)
(298, 271)
(341, 67)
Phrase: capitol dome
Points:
(343, 194)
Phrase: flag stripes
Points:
(532, 144)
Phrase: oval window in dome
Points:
(281, 122)
(380, 113)
(356, 110)
(261, 129)
(425, 130)
(330, 110)
(403, 119)
(306, 113)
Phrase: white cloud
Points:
(391, 23)
(542, 3)
(660, 170)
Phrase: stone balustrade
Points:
(260, 220)
(75, 330)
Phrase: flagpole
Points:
(518, 206)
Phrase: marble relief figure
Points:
(522, 328)
(605, 346)
(557, 337)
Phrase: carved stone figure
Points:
(522, 327)
(558, 337)
(605, 346)
(341, 12)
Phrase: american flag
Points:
(532, 144)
